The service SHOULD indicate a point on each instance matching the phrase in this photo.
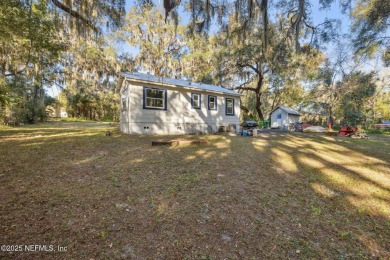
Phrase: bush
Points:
(378, 131)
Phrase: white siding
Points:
(286, 119)
(274, 116)
(180, 117)
(293, 118)
(124, 108)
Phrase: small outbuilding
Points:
(282, 117)
(156, 105)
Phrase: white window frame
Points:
(199, 100)
(164, 99)
(215, 102)
(232, 107)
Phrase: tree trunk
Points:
(331, 119)
(35, 104)
(244, 109)
(75, 14)
(258, 94)
(301, 15)
(258, 106)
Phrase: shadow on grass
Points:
(336, 176)
(286, 196)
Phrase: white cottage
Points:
(155, 105)
(281, 117)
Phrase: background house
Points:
(56, 111)
(315, 113)
(155, 105)
(281, 117)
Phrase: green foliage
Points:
(38, 50)
(199, 61)
(269, 76)
(377, 131)
(370, 23)
(382, 106)
(386, 57)
(161, 45)
(29, 47)
(358, 88)
(316, 211)
(4, 89)
(49, 101)
(90, 104)
(270, 62)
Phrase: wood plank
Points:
(178, 142)
(332, 133)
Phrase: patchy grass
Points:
(5, 127)
(285, 196)
(74, 119)
(378, 131)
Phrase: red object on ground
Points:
(347, 130)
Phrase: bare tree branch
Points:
(250, 66)
(75, 14)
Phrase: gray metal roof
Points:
(287, 110)
(317, 108)
(179, 83)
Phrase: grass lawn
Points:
(277, 196)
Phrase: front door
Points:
(279, 120)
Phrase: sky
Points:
(318, 16)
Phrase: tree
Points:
(379, 103)
(251, 68)
(199, 61)
(46, 43)
(28, 49)
(160, 45)
(358, 88)
(300, 26)
(94, 15)
(371, 20)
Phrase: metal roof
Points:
(317, 108)
(287, 110)
(136, 76)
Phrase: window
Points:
(212, 103)
(195, 100)
(155, 98)
(230, 106)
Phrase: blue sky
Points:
(317, 16)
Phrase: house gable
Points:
(178, 115)
(282, 117)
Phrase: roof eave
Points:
(185, 87)
(294, 114)
(298, 114)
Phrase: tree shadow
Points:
(234, 197)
